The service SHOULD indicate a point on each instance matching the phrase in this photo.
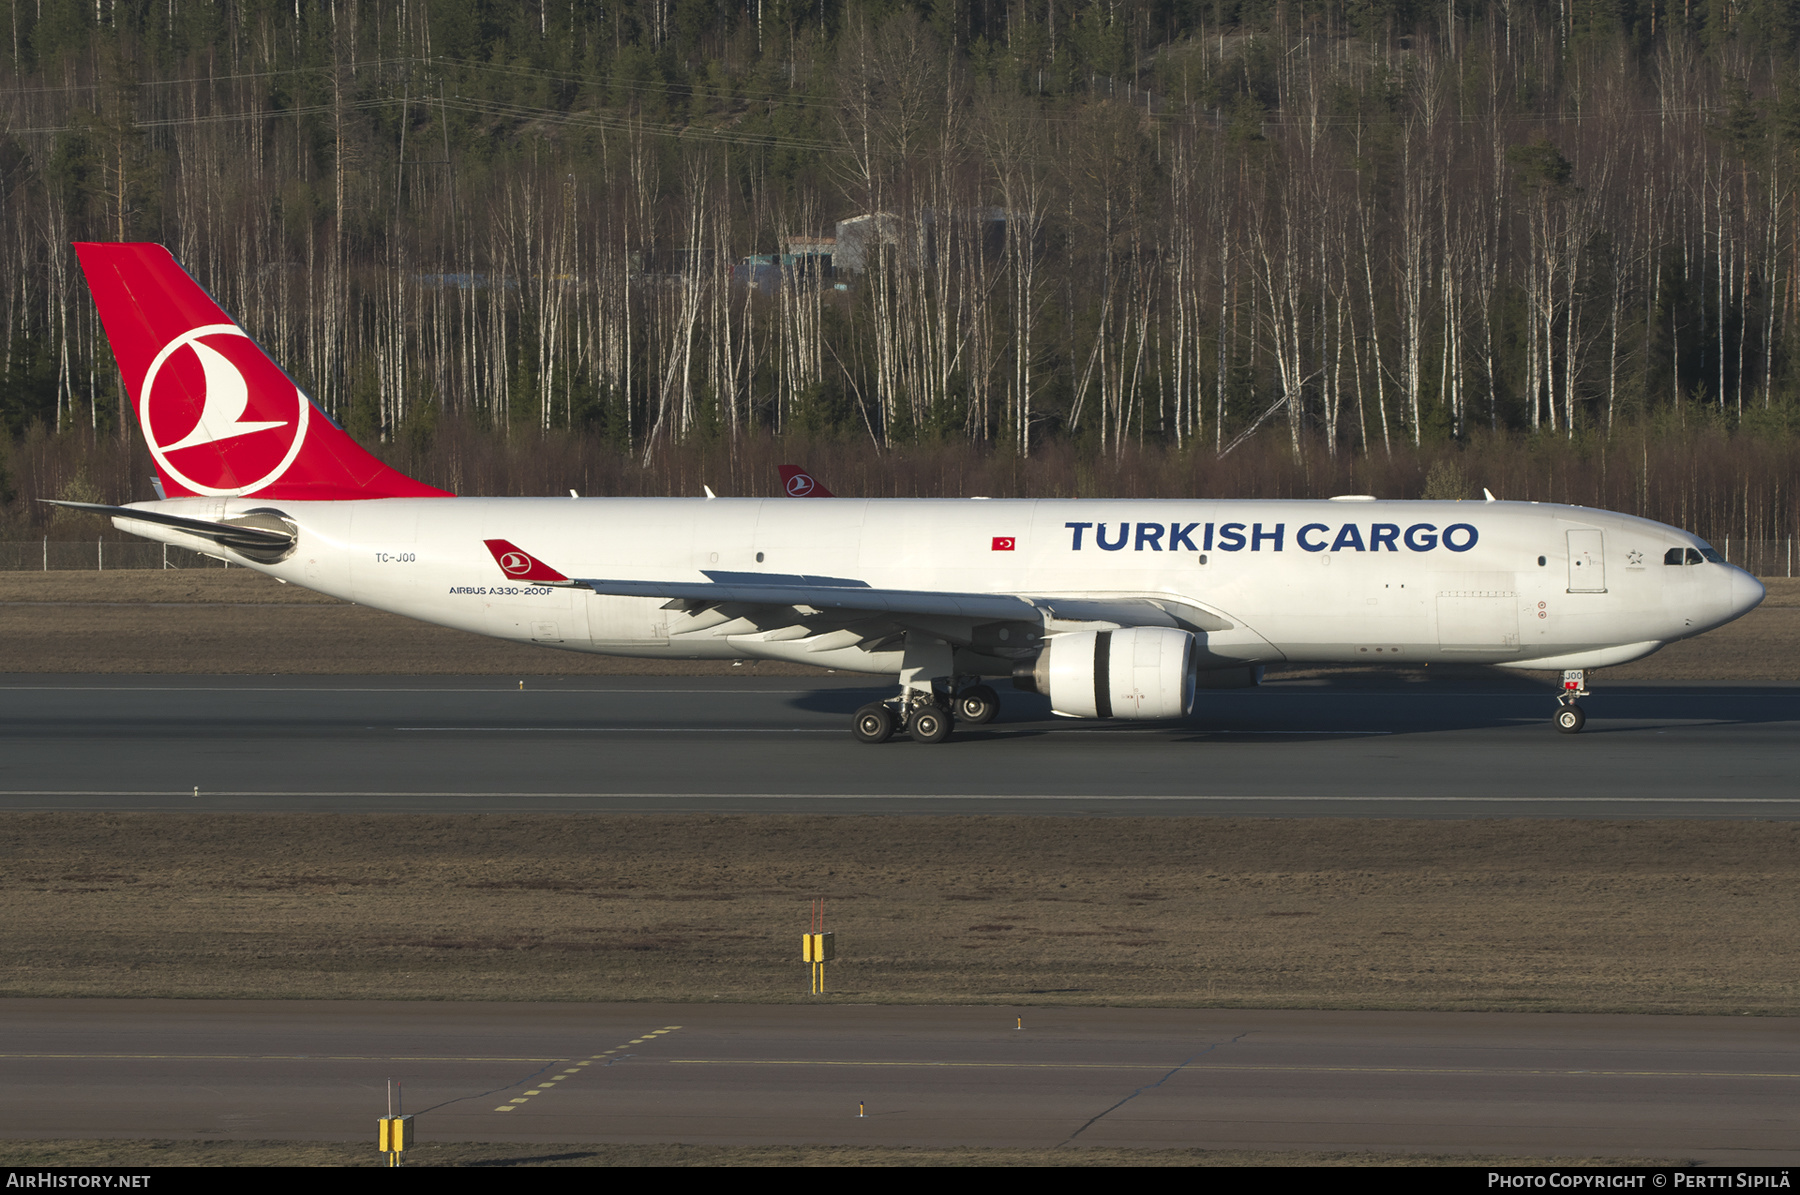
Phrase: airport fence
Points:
(1763, 557)
(55, 555)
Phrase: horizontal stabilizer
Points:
(237, 536)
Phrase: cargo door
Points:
(1478, 612)
(540, 614)
(1587, 561)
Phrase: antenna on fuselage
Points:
(1488, 494)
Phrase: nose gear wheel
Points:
(1570, 718)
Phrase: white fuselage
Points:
(1337, 581)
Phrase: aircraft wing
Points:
(834, 612)
(793, 599)
(823, 593)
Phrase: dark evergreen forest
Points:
(944, 247)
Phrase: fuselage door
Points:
(1587, 561)
(1478, 612)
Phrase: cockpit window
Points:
(1672, 556)
(1686, 556)
(1711, 554)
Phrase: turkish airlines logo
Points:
(516, 562)
(1003, 543)
(221, 394)
(800, 485)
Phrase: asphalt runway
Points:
(1719, 1090)
(1470, 743)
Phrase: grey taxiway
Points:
(1718, 1090)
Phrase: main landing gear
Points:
(1569, 717)
(926, 718)
(977, 705)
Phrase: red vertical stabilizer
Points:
(798, 483)
(221, 418)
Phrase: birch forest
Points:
(1043, 248)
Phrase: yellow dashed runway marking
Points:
(549, 1084)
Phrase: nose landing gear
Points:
(1569, 716)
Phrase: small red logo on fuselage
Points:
(1003, 543)
(521, 565)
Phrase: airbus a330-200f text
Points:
(1110, 609)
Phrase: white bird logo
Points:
(222, 410)
(227, 397)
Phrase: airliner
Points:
(1108, 608)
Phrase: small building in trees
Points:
(859, 235)
(810, 258)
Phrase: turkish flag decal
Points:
(1003, 543)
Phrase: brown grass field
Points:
(1522, 914)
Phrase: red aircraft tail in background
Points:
(798, 483)
(221, 418)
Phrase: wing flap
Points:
(829, 613)
(826, 593)
(1134, 610)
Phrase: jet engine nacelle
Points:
(1135, 672)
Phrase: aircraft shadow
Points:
(1368, 703)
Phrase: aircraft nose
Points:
(1746, 593)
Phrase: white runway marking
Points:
(321, 689)
(617, 729)
(1270, 689)
(817, 730)
(904, 796)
